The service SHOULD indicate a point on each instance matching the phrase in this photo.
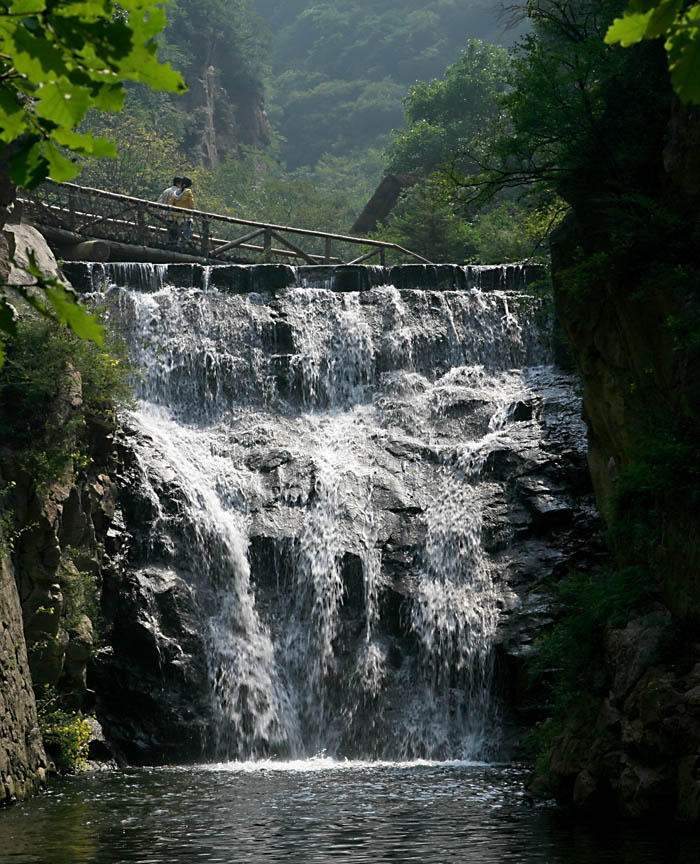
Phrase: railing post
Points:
(327, 251)
(71, 209)
(382, 256)
(142, 229)
(206, 236)
(267, 250)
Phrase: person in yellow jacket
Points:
(183, 197)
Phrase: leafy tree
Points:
(576, 127)
(146, 160)
(445, 116)
(512, 232)
(678, 23)
(447, 122)
(424, 220)
(58, 60)
(428, 220)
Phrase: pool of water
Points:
(316, 811)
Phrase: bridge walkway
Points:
(76, 217)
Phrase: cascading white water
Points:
(349, 432)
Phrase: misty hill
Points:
(340, 69)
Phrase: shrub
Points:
(66, 733)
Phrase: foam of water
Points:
(324, 764)
(367, 372)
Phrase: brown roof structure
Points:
(382, 202)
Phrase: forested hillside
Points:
(219, 46)
(335, 80)
(341, 69)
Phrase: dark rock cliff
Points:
(23, 762)
(633, 743)
(57, 548)
(51, 550)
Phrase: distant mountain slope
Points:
(340, 68)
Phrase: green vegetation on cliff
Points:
(598, 126)
(52, 387)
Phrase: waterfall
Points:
(317, 472)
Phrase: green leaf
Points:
(86, 10)
(13, 119)
(60, 168)
(62, 103)
(29, 167)
(27, 7)
(84, 144)
(109, 97)
(629, 29)
(663, 17)
(69, 56)
(685, 76)
(35, 57)
(71, 313)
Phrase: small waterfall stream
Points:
(314, 476)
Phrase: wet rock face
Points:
(49, 600)
(338, 508)
(58, 555)
(623, 346)
(56, 552)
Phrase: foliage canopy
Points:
(57, 60)
(677, 22)
(584, 118)
(444, 116)
(340, 69)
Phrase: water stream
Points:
(334, 507)
(315, 811)
(314, 469)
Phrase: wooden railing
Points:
(82, 213)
